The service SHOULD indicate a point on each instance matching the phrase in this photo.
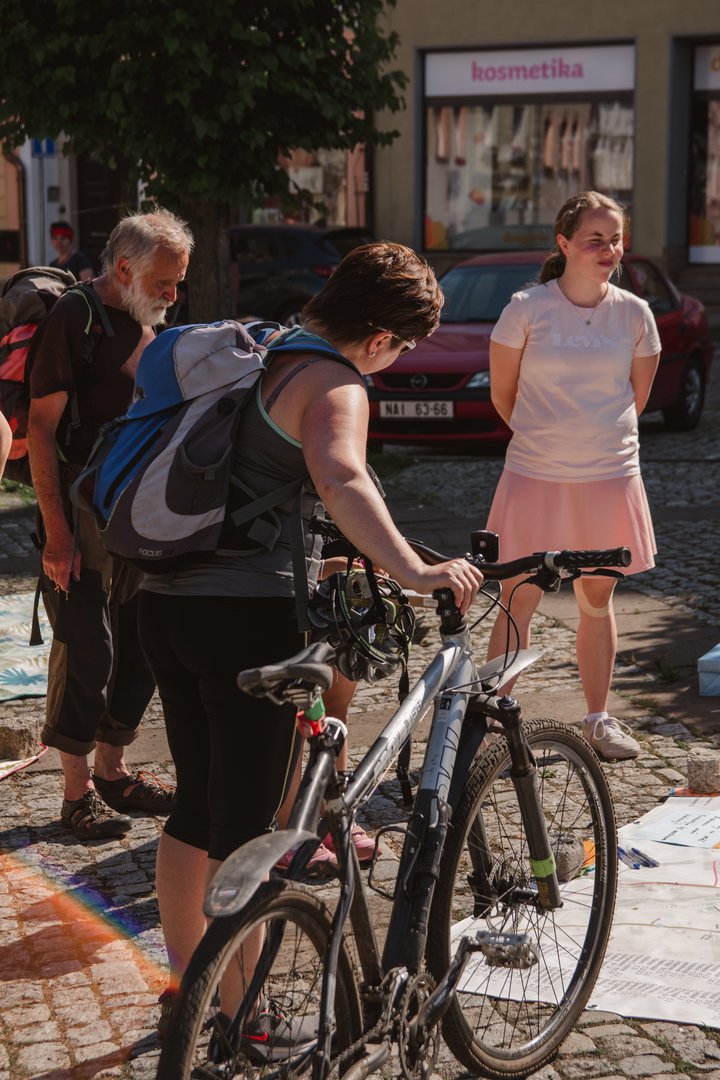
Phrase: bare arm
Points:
(504, 377)
(5, 443)
(45, 414)
(642, 374)
(333, 434)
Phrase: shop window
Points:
(705, 181)
(496, 174)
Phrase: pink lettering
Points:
(557, 68)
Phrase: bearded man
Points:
(99, 684)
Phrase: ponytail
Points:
(553, 267)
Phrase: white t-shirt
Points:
(574, 418)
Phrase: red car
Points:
(440, 391)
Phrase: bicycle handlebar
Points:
(550, 560)
(556, 561)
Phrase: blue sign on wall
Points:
(43, 148)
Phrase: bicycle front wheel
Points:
(268, 961)
(510, 1013)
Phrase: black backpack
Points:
(26, 299)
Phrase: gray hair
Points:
(138, 236)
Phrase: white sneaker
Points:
(610, 739)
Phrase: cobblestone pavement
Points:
(81, 955)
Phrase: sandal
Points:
(146, 792)
(88, 819)
(167, 1002)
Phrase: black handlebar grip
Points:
(578, 560)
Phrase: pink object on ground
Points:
(323, 861)
(364, 844)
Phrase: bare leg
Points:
(76, 773)
(524, 605)
(110, 761)
(596, 642)
(182, 872)
(337, 703)
(183, 875)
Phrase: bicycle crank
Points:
(418, 1043)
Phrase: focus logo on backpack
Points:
(26, 299)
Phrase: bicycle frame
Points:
(457, 729)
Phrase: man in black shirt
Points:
(99, 683)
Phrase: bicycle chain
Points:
(346, 1056)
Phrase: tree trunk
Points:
(208, 275)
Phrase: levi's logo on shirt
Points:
(583, 341)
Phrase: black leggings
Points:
(233, 754)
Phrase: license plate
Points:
(416, 410)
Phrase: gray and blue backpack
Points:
(158, 479)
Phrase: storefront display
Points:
(704, 226)
(510, 134)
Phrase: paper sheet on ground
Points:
(7, 768)
(663, 958)
(692, 822)
(23, 667)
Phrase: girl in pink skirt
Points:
(572, 362)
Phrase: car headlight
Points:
(479, 379)
(369, 381)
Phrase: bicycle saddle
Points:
(308, 670)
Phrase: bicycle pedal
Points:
(506, 950)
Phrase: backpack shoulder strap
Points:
(95, 306)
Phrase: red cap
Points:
(61, 228)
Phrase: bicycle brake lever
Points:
(546, 579)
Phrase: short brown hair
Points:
(567, 223)
(378, 286)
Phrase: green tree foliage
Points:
(199, 98)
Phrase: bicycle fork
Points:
(523, 773)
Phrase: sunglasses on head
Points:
(406, 345)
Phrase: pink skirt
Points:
(541, 515)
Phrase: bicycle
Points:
(503, 901)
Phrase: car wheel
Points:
(290, 314)
(687, 410)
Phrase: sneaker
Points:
(364, 845)
(321, 862)
(274, 1035)
(610, 739)
(220, 1047)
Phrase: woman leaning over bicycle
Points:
(200, 626)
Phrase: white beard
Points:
(144, 310)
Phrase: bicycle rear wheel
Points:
(508, 1021)
(292, 927)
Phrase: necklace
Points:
(583, 314)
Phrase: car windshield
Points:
(479, 293)
(344, 241)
